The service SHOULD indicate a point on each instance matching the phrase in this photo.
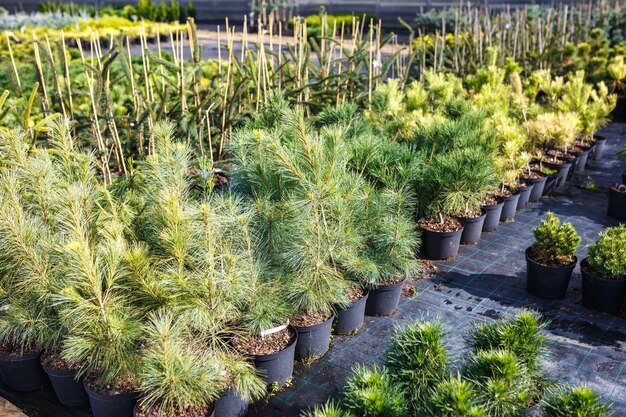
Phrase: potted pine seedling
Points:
(388, 256)
(178, 376)
(452, 184)
(604, 271)
(555, 132)
(267, 337)
(574, 401)
(105, 338)
(551, 260)
(243, 384)
(303, 179)
(593, 106)
(534, 174)
(616, 69)
(38, 190)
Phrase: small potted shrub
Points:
(574, 402)
(534, 175)
(447, 188)
(555, 132)
(244, 383)
(551, 260)
(603, 271)
(371, 392)
(617, 201)
(389, 256)
(178, 376)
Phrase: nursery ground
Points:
(483, 283)
(486, 282)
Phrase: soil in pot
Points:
(600, 293)
(538, 182)
(188, 412)
(472, 227)
(21, 370)
(272, 354)
(313, 335)
(349, 319)
(546, 279)
(493, 207)
(440, 240)
(69, 390)
(383, 300)
(118, 401)
(510, 205)
(617, 201)
(598, 149)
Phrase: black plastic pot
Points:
(618, 115)
(601, 294)
(617, 204)
(472, 228)
(230, 404)
(118, 405)
(441, 245)
(383, 300)
(549, 282)
(598, 150)
(624, 177)
(550, 186)
(581, 162)
(22, 373)
(492, 219)
(510, 207)
(350, 318)
(538, 186)
(562, 171)
(313, 341)
(524, 196)
(69, 390)
(278, 367)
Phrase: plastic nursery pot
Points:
(538, 186)
(492, 219)
(22, 373)
(277, 367)
(550, 186)
(524, 196)
(617, 204)
(581, 163)
(618, 115)
(598, 150)
(562, 171)
(624, 177)
(472, 228)
(606, 295)
(383, 300)
(350, 318)
(510, 207)
(230, 404)
(313, 341)
(69, 390)
(118, 405)
(441, 245)
(545, 281)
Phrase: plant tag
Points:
(274, 329)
